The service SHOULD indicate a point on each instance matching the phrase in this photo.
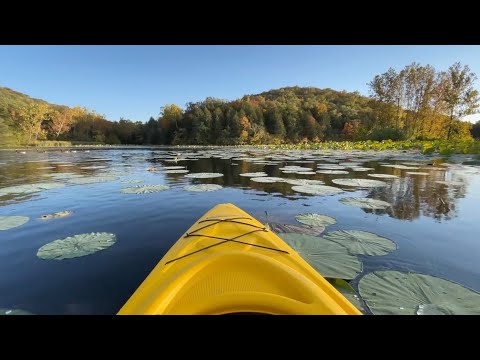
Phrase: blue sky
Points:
(135, 81)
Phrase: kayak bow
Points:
(227, 263)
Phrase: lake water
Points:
(436, 227)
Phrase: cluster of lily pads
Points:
(335, 255)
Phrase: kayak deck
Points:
(228, 262)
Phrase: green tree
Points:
(274, 122)
(460, 97)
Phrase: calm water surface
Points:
(436, 227)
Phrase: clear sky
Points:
(135, 81)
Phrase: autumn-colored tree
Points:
(245, 127)
(350, 130)
(31, 118)
(170, 116)
(61, 121)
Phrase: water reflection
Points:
(411, 196)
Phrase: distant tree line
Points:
(417, 102)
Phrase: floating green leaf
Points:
(362, 242)
(131, 181)
(29, 188)
(56, 215)
(417, 173)
(177, 171)
(329, 258)
(91, 180)
(203, 187)
(347, 290)
(315, 219)
(203, 175)
(63, 176)
(363, 183)
(398, 293)
(297, 229)
(317, 189)
(76, 246)
(303, 182)
(401, 167)
(304, 172)
(254, 174)
(144, 189)
(10, 222)
(266, 179)
(330, 167)
(359, 168)
(14, 312)
(383, 176)
(366, 203)
(295, 168)
(333, 172)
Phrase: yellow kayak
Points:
(229, 263)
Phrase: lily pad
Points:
(434, 309)
(401, 167)
(14, 312)
(176, 171)
(131, 181)
(91, 180)
(303, 182)
(366, 203)
(363, 183)
(76, 246)
(305, 172)
(329, 258)
(349, 164)
(267, 179)
(203, 175)
(56, 215)
(362, 242)
(297, 229)
(359, 168)
(144, 189)
(317, 189)
(399, 293)
(10, 222)
(29, 188)
(254, 174)
(417, 173)
(315, 219)
(347, 290)
(295, 168)
(383, 176)
(203, 187)
(330, 167)
(333, 172)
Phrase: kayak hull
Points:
(228, 262)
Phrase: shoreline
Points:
(435, 147)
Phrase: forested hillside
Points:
(417, 102)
